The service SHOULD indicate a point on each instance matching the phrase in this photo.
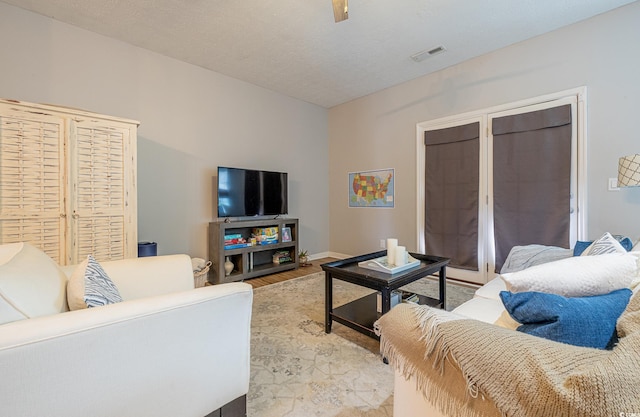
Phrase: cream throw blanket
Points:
(469, 368)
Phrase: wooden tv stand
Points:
(252, 261)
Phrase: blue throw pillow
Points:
(580, 247)
(580, 321)
(626, 243)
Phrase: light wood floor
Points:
(283, 276)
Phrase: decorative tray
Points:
(381, 265)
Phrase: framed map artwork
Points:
(372, 188)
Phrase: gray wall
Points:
(379, 131)
(192, 120)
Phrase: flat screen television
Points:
(248, 192)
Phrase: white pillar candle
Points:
(392, 244)
(401, 256)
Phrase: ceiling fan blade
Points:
(340, 10)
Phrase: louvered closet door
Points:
(102, 183)
(32, 183)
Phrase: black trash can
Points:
(147, 249)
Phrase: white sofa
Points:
(484, 306)
(406, 346)
(166, 350)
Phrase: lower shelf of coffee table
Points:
(360, 314)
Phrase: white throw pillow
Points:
(31, 283)
(578, 276)
(8, 312)
(90, 286)
(605, 244)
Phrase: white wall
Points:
(192, 120)
(379, 131)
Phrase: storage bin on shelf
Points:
(265, 235)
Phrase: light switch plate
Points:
(613, 184)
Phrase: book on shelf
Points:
(234, 241)
(408, 297)
(236, 246)
(232, 236)
(282, 257)
(279, 261)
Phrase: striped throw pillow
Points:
(90, 286)
(606, 244)
(99, 290)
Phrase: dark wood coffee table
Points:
(361, 313)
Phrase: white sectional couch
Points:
(427, 372)
(166, 350)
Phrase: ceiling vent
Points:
(421, 56)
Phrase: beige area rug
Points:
(297, 370)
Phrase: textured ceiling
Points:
(295, 48)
